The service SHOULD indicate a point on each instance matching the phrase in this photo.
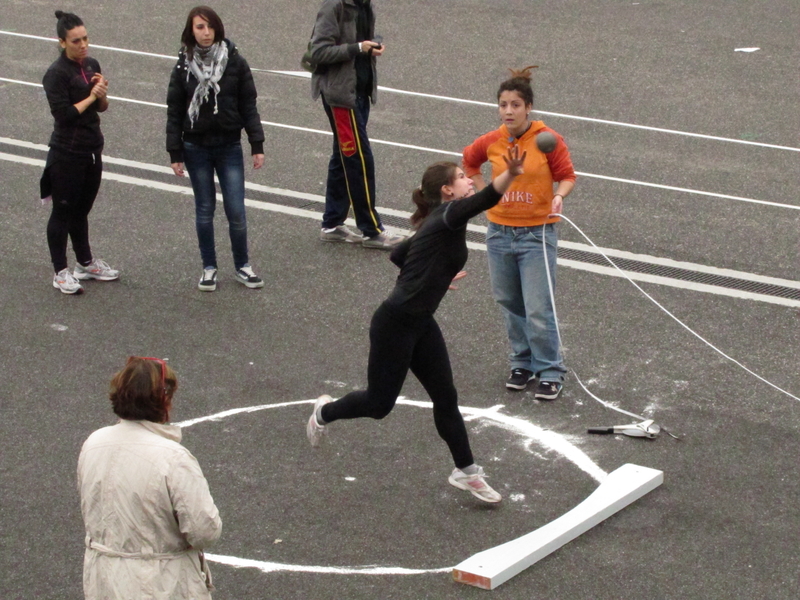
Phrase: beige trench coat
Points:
(148, 514)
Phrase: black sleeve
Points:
(458, 212)
(400, 251)
(176, 112)
(56, 87)
(248, 108)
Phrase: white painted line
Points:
(458, 154)
(272, 567)
(580, 266)
(530, 432)
(549, 439)
(491, 568)
(305, 74)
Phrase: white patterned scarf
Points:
(207, 65)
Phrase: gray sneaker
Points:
(383, 241)
(340, 233)
(97, 269)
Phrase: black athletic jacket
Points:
(237, 108)
(430, 258)
(66, 83)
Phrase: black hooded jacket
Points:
(237, 108)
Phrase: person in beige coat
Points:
(146, 505)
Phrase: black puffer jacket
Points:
(66, 83)
(236, 108)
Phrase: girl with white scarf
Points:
(211, 98)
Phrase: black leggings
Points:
(399, 343)
(74, 183)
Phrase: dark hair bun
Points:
(59, 14)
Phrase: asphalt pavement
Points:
(687, 149)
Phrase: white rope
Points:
(654, 301)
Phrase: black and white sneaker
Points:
(519, 378)
(548, 390)
(208, 282)
(248, 278)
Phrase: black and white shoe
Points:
(208, 282)
(248, 278)
(519, 378)
(548, 390)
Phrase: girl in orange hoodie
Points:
(519, 227)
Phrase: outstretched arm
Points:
(459, 212)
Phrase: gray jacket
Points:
(334, 46)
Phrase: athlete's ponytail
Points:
(429, 195)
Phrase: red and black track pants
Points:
(351, 170)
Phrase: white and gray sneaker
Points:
(64, 281)
(314, 430)
(340, 233)
(383, 241)
(247, 277)
(208, 282)
(474, 484)
(97, 269)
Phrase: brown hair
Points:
(209, 15)
(143, 390)
(520, 82)
(429, 195)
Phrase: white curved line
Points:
(270, 567)
(549, 439)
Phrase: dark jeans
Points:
(74, 183)
(226, 160)
(351, 170)
(399, 343)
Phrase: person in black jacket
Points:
(404, 335)
(211, 97)
(76, 92)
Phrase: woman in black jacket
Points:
(76, 92)
(211, 97)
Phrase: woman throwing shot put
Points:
(76, 92)
(404, 335)
(519, 226)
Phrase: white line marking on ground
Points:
(305, 74)
(458, 154)
(530, 432)
(299, 212)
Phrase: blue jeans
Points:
(519, 285)
(201, 163)
(351, 170)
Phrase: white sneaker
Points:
(64, 281)
(474, 484)
(97, 269)
(314, 430)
